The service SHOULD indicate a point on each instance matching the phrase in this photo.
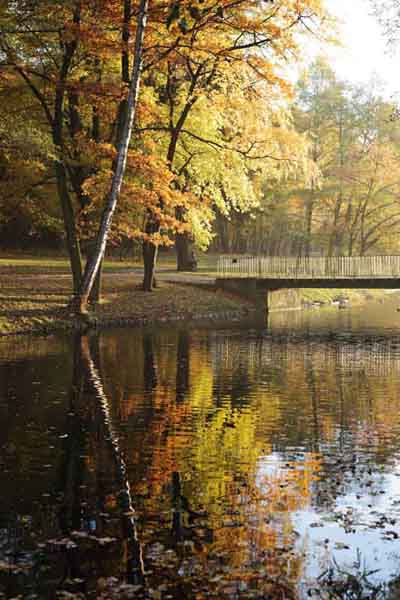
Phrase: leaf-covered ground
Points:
(35, 300)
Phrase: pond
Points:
(197, 462)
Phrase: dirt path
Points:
(173, 276)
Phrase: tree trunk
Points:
(309, 216)
(57, 133)
(222, 242)
(335, 238)
(351, 244)
(150, 252)
(336, 235)
(73, 245)
(175, 131)
(184, 253)
(95, 294)
(93, 264)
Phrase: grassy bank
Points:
(34, 299)
(327, 296)
(303, 298)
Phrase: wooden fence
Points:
(305, 267)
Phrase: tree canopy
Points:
(214, 125)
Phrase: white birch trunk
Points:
(93, 263)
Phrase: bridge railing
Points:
(309, 267)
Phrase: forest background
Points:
(228, 152)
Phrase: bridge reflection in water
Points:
(373, 358)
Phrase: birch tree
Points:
(93, 263)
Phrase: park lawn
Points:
(28, 263)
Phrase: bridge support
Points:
(248, 289)
(265, 296)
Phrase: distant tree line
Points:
(352, 204)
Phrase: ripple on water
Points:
(252, 456)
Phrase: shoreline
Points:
(95, 324)
(35, 303)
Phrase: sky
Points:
(365, 52)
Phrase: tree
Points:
(65, 54)
(58, 50)
(356, 150)
(321, 114)
(349, 202)
(217, 45)
(208, 67)
(93, 263)
(387, 13)
(373, 213)
(27, 214)
(28, 31)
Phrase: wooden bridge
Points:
(255, 276)
(336, 271)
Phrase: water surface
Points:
(254, 458)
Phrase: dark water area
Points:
(195, 462)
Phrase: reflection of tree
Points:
(94, 482)
(183, 516)
(217, 480)
(71, 513)
(182, 365)
(149, 371)
(211, 450)
(74, 443)
(95, 387)
(341, 403)
(217, 447)
(336, 396)
(310, 378)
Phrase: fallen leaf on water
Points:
(341, 546)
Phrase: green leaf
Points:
(183, 25)
(173, 15)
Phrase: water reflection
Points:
(93, 522)
(232, 462)
(182, 366)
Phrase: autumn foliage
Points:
(213, 121)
